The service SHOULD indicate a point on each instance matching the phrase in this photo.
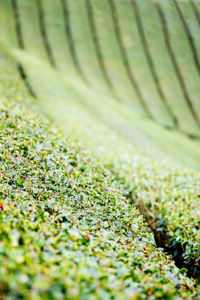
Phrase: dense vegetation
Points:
(66, 230)
(77, 224)
(168, 197)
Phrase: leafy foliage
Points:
(66, 231)
(169, 199)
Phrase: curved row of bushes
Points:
(169, 199)
(66, 230)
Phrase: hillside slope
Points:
(122, 78)
(74, 46)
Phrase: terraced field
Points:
(112, 211)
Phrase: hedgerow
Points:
(169, 199)
(66, 230)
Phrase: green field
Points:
(100, 137)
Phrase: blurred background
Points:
(122, 76)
